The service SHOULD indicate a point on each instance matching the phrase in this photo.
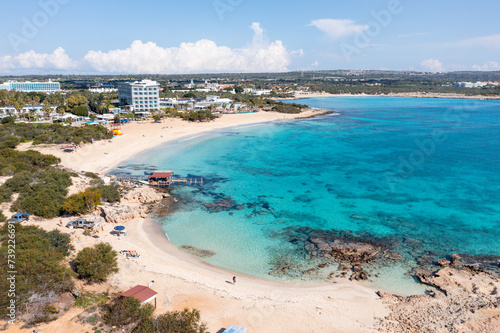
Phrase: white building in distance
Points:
(46, 87)
(143, 95)
(470, 84)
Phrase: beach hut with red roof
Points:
(142, 293)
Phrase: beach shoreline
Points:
(103, 156)
(411, 94)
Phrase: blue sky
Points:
(203, 36)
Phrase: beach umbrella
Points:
(120, 228)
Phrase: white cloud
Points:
(492, 41)
(32, 60)
(489, 66)
(432, 65)
(201, 56)
(315, 64)
(336, 28)
(148, 58)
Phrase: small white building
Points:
(38, 109)
(470, 84)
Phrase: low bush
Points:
(42, 273)
(96, 263)
(123, 311)
(109, 193)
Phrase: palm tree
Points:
(47, 110)
(18, 104)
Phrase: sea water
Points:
(425, 171)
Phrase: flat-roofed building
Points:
(143, 95)
(46, 87)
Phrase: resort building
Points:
(37, 109)
(198, 103)
(469, 84)
(46, 87)
(102, 90)
(143, 95)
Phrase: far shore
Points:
(409, 94)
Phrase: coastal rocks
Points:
(198, 252)
(444, 263)
(321, 248)
(135, 203)
(143, 195)
(462, 301)
(122, 213)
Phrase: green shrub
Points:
(2, 217)
(40, 266)
(147, 326)
(80, 110)
(41, 193)
(74, 204)
(82, 202)
(88, 300)
(96, 263)
(123, 311)
(109, 193)
(186, 321)
(91, 175)
(7, 120)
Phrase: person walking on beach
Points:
(234, 279)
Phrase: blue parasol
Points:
(120, 228)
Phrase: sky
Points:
(222, 36)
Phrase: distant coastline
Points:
(409, 94)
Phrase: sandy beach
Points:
(184, 281)
(137, 137)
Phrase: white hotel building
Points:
(143, 95)
(46, 87)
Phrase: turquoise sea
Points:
(422, 174)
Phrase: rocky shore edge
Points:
(462, 297)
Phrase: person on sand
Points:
(234, 279)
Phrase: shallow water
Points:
(423, 171)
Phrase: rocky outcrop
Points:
(143, 195)
(122, 213)
(137, 202)
(460, 300)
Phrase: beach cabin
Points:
(161, 178)
(142, 293)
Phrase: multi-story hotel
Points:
(47, 87)
(143, 95)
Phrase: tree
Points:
(96, 263)
(80, 110)
(18, 104)
(239, 89)
(186, 321)
(47, 109)
(123, 311)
